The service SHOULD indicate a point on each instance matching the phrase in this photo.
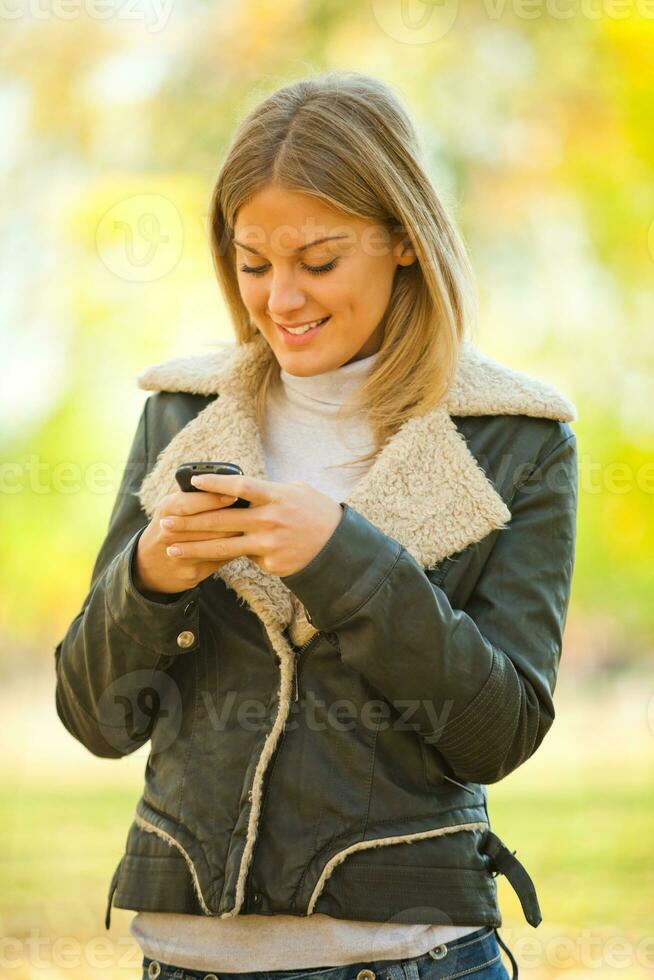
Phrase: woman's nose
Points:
(285, 296)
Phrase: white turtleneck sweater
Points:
(300, 441)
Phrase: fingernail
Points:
(172, 549)
(167, 521)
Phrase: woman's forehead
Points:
(292, 220)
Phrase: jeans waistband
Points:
(457, 957)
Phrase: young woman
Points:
(331, 672)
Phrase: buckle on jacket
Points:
(503, 861)
(112, 889)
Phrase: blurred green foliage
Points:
(537, 131)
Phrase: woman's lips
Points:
(298, 340)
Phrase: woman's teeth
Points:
(307, 326)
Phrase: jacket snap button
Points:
(256, 898)
(186, 639)
(366, 975)
(189, 608)
(154, 969)
(438, 952)
(249, 795)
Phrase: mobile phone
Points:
(184, 473)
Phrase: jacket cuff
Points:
(346, 571)
(166, 627)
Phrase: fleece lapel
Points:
(425, 488)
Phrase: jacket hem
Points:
(338, 858)
(150, 828)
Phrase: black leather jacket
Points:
(305, 730)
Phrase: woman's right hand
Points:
(153, 569)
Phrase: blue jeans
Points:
(476, 956)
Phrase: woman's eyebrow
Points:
(300, 248)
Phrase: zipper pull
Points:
(467, 788)
(298, 654)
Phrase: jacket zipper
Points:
(456, 783)
(296, 685)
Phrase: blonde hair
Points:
(345, 138)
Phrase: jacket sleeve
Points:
(110, 665)
(476, 683)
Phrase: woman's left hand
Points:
(285, 527)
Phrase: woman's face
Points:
(287, 276)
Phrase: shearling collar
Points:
(425, 489)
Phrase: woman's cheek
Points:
(251, 294)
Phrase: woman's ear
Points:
(405, 253)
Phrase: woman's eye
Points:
(318, 269)
(314, 269)
(259, 271)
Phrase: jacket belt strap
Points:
(112, 889)
(504, 862)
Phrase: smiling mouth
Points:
(305, 328)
